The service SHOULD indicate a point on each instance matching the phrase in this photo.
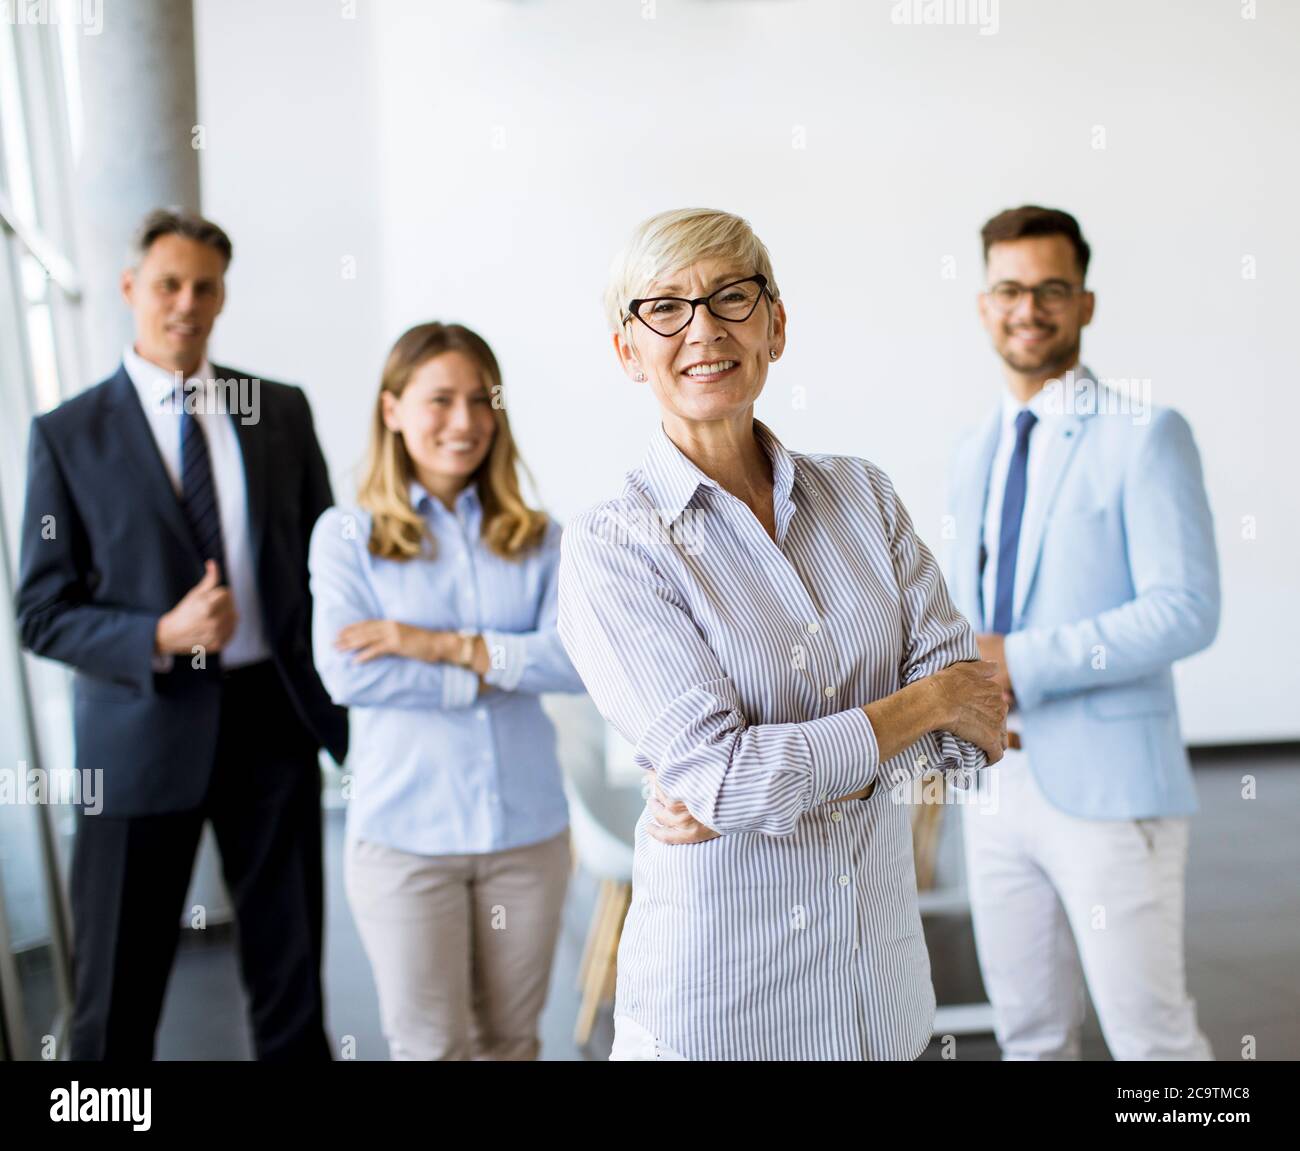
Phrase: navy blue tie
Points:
(1013, 509)
(199, 492)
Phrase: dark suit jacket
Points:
(106, 550)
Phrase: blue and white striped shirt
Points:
(439, 769)
(738, 668)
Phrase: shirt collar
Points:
(1038, 402)
(158, 388)
(423, 502)
(674, 479)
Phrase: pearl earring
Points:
(772, 354)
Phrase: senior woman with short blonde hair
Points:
(770, 634)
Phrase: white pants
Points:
(634, 1042)
(1051, 892)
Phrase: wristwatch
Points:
(467, 637)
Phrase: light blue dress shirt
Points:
(438, 768)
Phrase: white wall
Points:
(289, 168)
(474, 156)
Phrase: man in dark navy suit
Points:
(164, 557)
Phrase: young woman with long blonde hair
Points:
(434, 622)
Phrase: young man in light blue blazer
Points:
(1084, 557)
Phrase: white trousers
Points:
(634, 1042)
(1057, 900)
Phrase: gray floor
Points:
(1243, 941)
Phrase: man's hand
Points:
(670, 821)
(205, 617)
(993, 649)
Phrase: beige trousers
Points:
(460, 945)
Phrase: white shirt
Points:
(157, 389)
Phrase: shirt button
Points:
(844, 881)
(482, 713)
(814, 627)
(828, 690)
(837, 816)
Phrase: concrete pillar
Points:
(140, 107)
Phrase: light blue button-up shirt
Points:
(438, 768)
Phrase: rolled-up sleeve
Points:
(935, 635)
(646, 665)
(342, 595)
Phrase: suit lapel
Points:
(974, 496)
(252, 439)
(1066, 434)
(138, 450)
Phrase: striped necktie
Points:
(1013, 509)
(198, 490)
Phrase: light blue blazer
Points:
(1117, 577)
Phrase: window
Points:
(38, 367)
